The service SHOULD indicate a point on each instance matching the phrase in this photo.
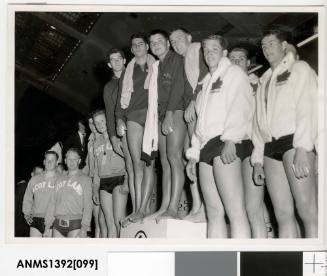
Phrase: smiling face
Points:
(116, 62)
(273, 49)
(139, 47)
(239, 58)
(100, 122)
(180, 41)
(50, 162)
(72, 160)
(159, 45)
(213, 53)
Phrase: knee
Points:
(214, 213)
(137, 164)
(284, 215)
(174, 156)
(164, 163)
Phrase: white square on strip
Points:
(314, 263)
(141, 264)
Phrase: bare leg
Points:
(130, 172)
(73, 233)
(229, 180)
(95, 211)
(254, 203)
(215, 210)
(107, 208)
(269, 226)
(281, 198)
(119, 207)
(134, 140)
(166, 177)
(102, 224)
(175, 142)
(197, 213)
(304, 193)
(35, 233)
(57, 234)
(147, 189)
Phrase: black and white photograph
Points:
(172, 123)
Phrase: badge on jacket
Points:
(215, 88)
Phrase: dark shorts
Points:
(214, 147)
(277, 147)
(137, 116)
(110, 183)
(64, 226)
(38, 223)
(162, 110)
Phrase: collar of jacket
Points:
(286, 63)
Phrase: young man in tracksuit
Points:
(285, 133)
(220, 140)
(109, 176)
(116, 62)
(38, 193)
(70, 207)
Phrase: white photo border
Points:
(166, 244)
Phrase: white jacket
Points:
(224, 107)
(292, 106)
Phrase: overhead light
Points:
(53, 27)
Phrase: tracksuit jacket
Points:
(37, 194)
(72, 199)
(224, 107)
(291, 106)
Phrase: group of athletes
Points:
(195, 106)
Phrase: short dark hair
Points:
(222, 41)
(98, 112)
(240, 49)
(180, 29)
(280, 34)
(159, 31)
(140, 35)
(115, 51)
(48, 152)
(76, 150)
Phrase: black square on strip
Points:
(206, 264)
(271, 263)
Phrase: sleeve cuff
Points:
(308, 146)
(193, 153)
(84, 227)
(256, 157)
(225, 137)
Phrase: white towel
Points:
(150, 136)
(192, 64)
(209, 80)
(128, 84)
